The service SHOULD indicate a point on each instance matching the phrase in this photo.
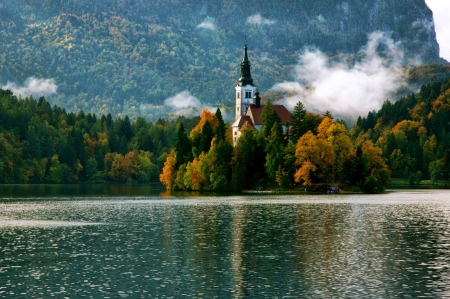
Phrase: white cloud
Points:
(185, 104)
(257, 19)
(441, 13)
(33, 87)
(183, 100)
(208, 23)
(347, 91)
(321, 19)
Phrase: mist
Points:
(32, 87)
(346, 89)
(208, 23)
(257, 19)
(185, 104)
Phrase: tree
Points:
(338, 137)
(269, 117)
(434, 170)
(274, 152)
(183, 149)
(221, 128)
(298, 117)
(168, 174)
(313, 155)
(55, 171)
(241, 163)
(91, 169)
(206, 138)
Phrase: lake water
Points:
(146, 243)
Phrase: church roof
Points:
(255, 114)
(243, 120)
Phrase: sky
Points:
(441, 15)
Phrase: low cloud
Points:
(185, 104)
(183, 100)
(257, 19)
(32, 87)
(208, 23)
(347, 90)
(321, 19)
(423, 24)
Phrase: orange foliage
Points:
(167, 176)
(407, 126)
(206, 116)
(303, 174)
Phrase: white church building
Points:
(248, 103)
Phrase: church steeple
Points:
(246, 77)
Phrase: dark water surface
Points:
(92, 245)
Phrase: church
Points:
(248, 103)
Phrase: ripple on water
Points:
(392, 245)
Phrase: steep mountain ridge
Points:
(124, 56)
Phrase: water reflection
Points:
(392, 245)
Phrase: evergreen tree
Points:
(269, 117)
(221, 129)
(123, 147)
(183, 149)
(298, 126)
(274, 152)
(206, 138)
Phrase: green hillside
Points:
(126, 57)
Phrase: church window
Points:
(248, 94)
(238, 95)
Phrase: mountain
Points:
(128, 56)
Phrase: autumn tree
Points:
(314, 156)
(168, 174)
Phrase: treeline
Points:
(413, 133)
(313, 149)
(44, 144)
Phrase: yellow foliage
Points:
(322, 129)
(317, 153)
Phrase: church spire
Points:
(245, 51)
(246, 77)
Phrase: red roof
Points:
(242, 121)
(255, 114)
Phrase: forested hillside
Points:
(126, 57)
(414, 133)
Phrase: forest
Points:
(413, 133)
(126, 57)
(44, 144)
(408, 139)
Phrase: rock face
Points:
(124, 56)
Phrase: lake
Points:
(81, 241)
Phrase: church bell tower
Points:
(245, 89)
